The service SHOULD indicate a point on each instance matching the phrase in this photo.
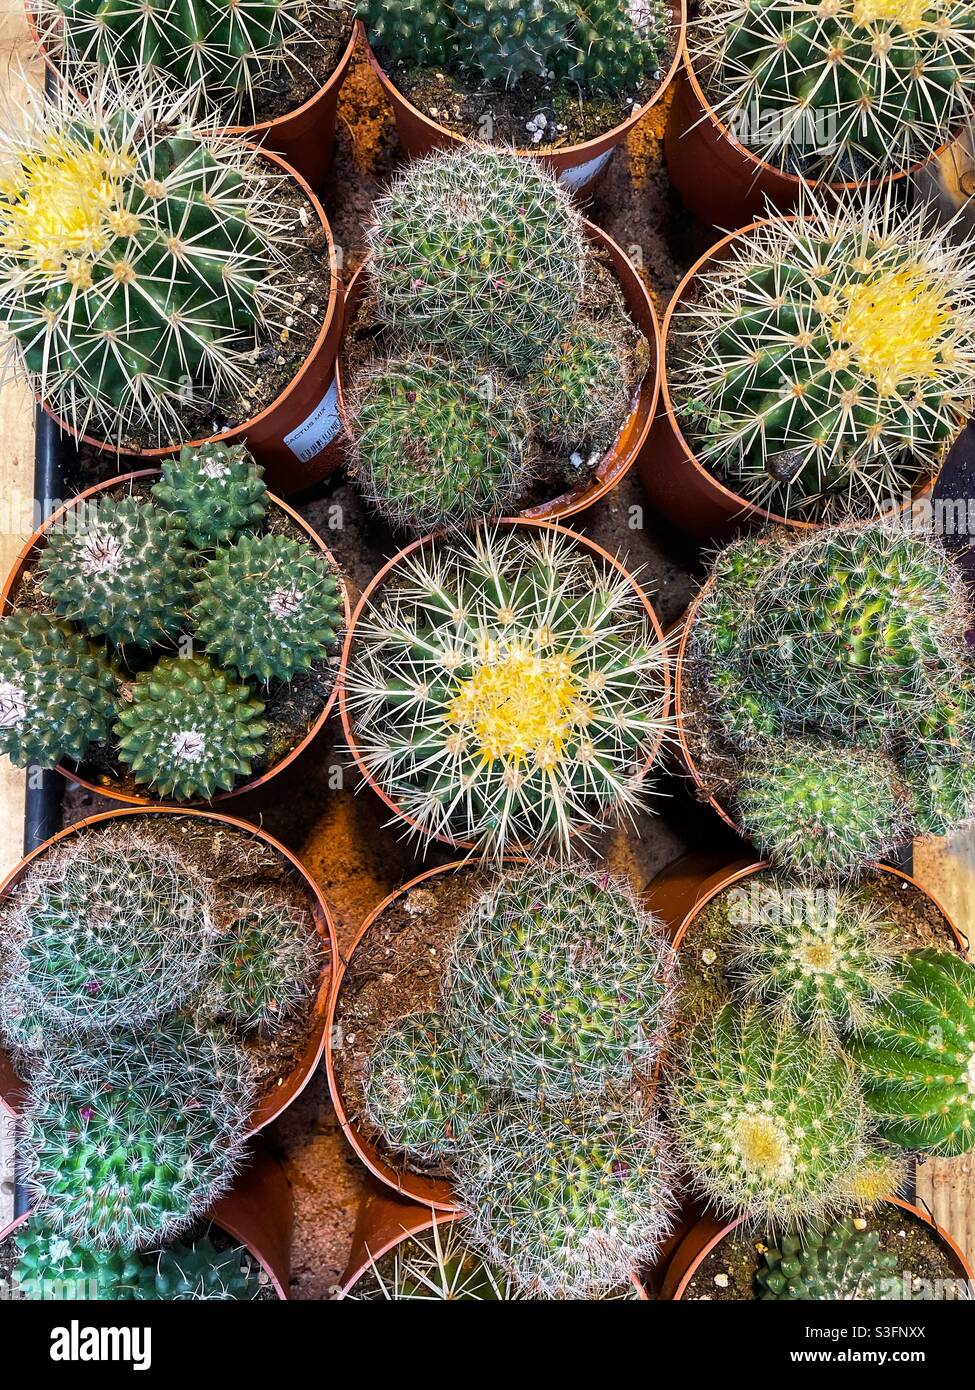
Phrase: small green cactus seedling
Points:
(198, 1272)
(558, 983)
(568, 1199)
(189, 729)
(839, 89)
(420, 1092)
(50, 1266)
(58, 691)
(438, 441)
(506, 687)
(917, 1056)
(835, 1261)
(131, 1141)
(823, 956)
(268, 607)
(106, 931)
(479, 253)
(767, 1119)
(578, 388)
(213, 493)
(117, 568)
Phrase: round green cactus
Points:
(838, 1261)
(198, 1272)
(130, 1141)
(567, 1199)
(50, 1267)
(916, 1056)
(107, 930)
(437, 441)
(558, 983)
(213, 493)
(189, 729)
(58, 691)
(768, 1119)
(939, 765)
(617, 46)
(578, 388)
(420, 1092)
(502, 40)
(479, 252)
(822, 956)
(420, 32)
(268, 607)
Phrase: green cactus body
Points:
(50, 1266)
(420, 32)
(939, 766)
(557, 985)
(58, 691)
(106, 931)
(618, 45)
(437, 1265)
(131, 1141)
(421, 1094)
(840, 90)
(502, 40)
(836, 1262)
(213, 493)
(268, 607)
(189, 729)
(438, 441)
(824, 367)
(768, 1119)
(917, 1056)
(478, 252)
(578, 389)
(199, 1272)
(823, 956)
(117, 568)
(136, 266)
(567, 1199)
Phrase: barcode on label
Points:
(316, 433)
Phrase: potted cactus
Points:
(492, 1045)
(824, 694)
(563, 80)
(171, 636)
(776, 95)
(816, 368)
(162, 286)
(480, 378)
(507, 688)
(271, 72)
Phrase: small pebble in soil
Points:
(722, 1281)
(420, 902)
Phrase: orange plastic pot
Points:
(28, 558)
(630, 442)
(710, 1232)
(577, 167)
(13, 1093)
(366, 600)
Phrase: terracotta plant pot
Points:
(631, 441)
(258, 1213)
(363, 605)
(28, 558)
(13, 1093)
(721, 181)
(682, 488)
(295, 436)
(305, 136)
(578, 167)
(385, 1222)
(710, 1232)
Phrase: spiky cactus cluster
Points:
(826, 365)
(233, 55)
(199, 1272)
(829, 1261)
(141, 265)
(578, 389)
(505, 687)
(835, 668)
(606, 46)
(213, 493)
(842, 89)
(916, 1055)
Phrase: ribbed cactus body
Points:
(618, 43)
(436, 1265)
(578, 388)
(213, 493)
(198, 1272)
(413, 31)
(268, 607)
(939, 765)
(189, 729)
(58, 691)
(503, 40)
(917, 1056)
(50, 1266)
(835, 1262)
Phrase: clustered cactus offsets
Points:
(836, 683)
(829, 1261)
(507, 359)
(507, 687)
(838, 89)
(529, 1084)
(188, 565)
(825, 366)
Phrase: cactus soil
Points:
(292, 88)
